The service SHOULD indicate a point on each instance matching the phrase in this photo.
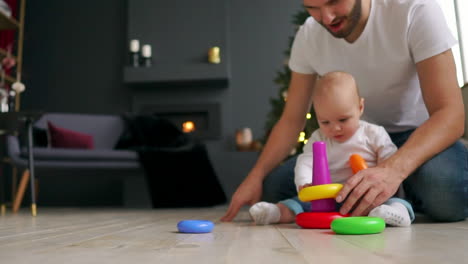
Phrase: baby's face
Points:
(338, 116)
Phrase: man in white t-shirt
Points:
(399, 52)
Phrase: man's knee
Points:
(440, 185)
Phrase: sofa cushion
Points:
(81, 154)
(105, 129)
(66, 138)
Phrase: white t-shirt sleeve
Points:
(304, 164)
(428, 32)
(298, 61)
(382, 144)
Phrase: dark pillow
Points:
(39, 138)
(65, 138)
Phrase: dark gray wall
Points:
(73, 56)
(75, 52)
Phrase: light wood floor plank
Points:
(150, 236)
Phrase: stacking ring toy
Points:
(358, 225)
(195, 226)
(317, 192)
(357, 163)
(317, 220)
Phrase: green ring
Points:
(358, 225)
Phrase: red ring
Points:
(317, 220)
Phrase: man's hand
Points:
(248, 193)
(368, 189)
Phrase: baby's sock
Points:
(395, 214)
(264, 213)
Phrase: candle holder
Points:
(146, 53)
(244, 139)
(214, 55)
(135, 52)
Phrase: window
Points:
(454, 11)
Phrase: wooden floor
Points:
(150, 236)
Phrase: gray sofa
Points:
(106, 130)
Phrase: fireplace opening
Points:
(202, 121)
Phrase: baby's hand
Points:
(305, 185)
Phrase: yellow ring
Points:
(317, 192)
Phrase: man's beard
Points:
(352, 18)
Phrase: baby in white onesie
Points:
(338, 108)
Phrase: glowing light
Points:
(305, 141)
(301, 137)
(308, 116)
(188, 126)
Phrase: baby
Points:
(338, 107)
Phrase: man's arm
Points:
(280, 142)
(443, 99)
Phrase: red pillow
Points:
(64, 138)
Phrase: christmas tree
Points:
(282, 80)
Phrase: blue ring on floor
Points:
(195, 226)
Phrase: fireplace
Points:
(202, 121)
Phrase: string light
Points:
(308, 116)
(301, 137)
